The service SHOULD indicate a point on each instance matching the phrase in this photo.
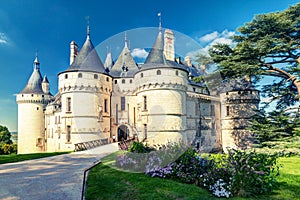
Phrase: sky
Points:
(48, 26)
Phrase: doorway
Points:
(123, 133)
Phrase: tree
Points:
(5, 135)
(268, 45)
(275, 125)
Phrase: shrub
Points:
(242, 173)
(139, 147)
(8, 148)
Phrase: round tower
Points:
(84, 90)
(161, 97)
(239, 102)
(31, 120)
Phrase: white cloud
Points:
(3, 39)
(225, 37)
(139, 53)
(209, 37)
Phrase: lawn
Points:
(105, 182)
(21, 157)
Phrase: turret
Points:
(239, 102)
(45, 85)
(31, 103)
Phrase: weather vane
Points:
(159, 17)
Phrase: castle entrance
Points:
(123, 132)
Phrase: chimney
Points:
(169, 50)
(188, 61)
(73, 51)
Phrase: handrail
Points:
(90, 144)
(84, 177)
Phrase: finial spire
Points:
(88, 25)
(159, 17)
(125, 40)
(36, 62)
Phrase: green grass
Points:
(106, 182)
(21, 157)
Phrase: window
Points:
(176, 73)
(239, 92)
(68, 104)
(123, 81)
(194, 89)
(158, 72)
(116, 81)
(80, 75)
(142, 75)
(107, 79)
(32, 95)
(122, 103)
(145, 131)
(117, 114)
(37, 108)
(227, 110)
(66, 76)
(68, 134)
(145, 102)
(95, 76)
(227, 93)
(43, 96)
(212, 110)
(105, 106)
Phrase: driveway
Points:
(53, 178)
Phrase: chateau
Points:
(157, 102)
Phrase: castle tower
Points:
(239, 101)
(161, 97)
(31, 103)
(84, 96)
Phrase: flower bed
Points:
(238, 173)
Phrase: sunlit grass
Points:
(21, 157)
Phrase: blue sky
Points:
(50, 25)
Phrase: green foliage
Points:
(275, 125)
(139, 147)
(8, 148)
(268, 45)
(243, 173)
(5, 135)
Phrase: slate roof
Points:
(87, 59)
(34, 84)
(125, 65)
(156, 54)
(239, 84)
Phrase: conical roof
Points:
(87, 59)
(125, 65)
(45, 79)
(34, 84)
(156, 54)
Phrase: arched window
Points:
(66, 76)
(123, 81)
(142, 75)
(158, 72)
(95, 76)
(80, 75)
(130, 81)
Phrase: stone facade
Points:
(156, 101)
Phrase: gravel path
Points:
(53, 178)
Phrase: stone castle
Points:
(157, 102)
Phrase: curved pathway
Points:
(53, 178)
